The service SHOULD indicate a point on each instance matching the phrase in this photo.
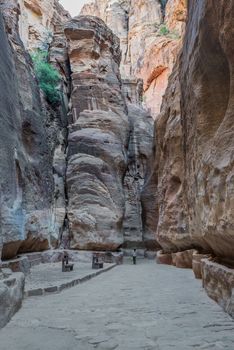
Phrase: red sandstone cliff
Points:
(149, 39)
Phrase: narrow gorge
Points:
(134, 146)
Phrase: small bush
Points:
(163, 30)
(47, 76)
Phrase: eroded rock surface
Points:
(207, 117)
(98, 137)
(37, 21)
(26, 176)
(109, 143)
(193, 168)
(149, 39)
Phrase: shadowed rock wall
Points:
(192, 180)
(98, 137)
(26, 164)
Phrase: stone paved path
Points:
(142, 307)
(50, 275)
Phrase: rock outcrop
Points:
(38, 20)
(140, 151)
(149, 38)
(98, 137)
(54, 195)
(26, 176)
(109, 143)
(193, 168)
(207, 118)
(163, 197)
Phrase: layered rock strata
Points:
(207, 119)
(192, 176)
(98, 137)
(26, 176)
(110, 114)
(37, 21)
(193, 171)
(149, 39)
(109, 143)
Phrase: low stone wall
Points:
(164, 258)
(217, 276)
(197, 263)
(23, 263)
(11, 294)
(182, 259)
(218, 281)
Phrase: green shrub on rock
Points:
(163, 30)
(48, 77)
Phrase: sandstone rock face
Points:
(26, 163)
(98, 137)
(149, 41)
(109, 143)
(57, 199)
(207, 117)
(11, 294)
(193, 168)
(116, 16)
(37, 21)
(164, 209)
(139, 156)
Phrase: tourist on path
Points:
(134, 254)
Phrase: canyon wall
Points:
(38, 20)
(192, 179)
(93, 179)
(150, 38)
(76, 178)
(107, 154)
(207, 118)
(26, 176)
(98, 136)
(33, 199)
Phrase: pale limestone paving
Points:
(110, 312)
(45, 278)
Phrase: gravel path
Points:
(142, 307)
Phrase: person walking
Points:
(134, 255)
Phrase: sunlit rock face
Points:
(26, 183)
(38, 20)
(116, 16)
(150, 39)
(164, 208)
